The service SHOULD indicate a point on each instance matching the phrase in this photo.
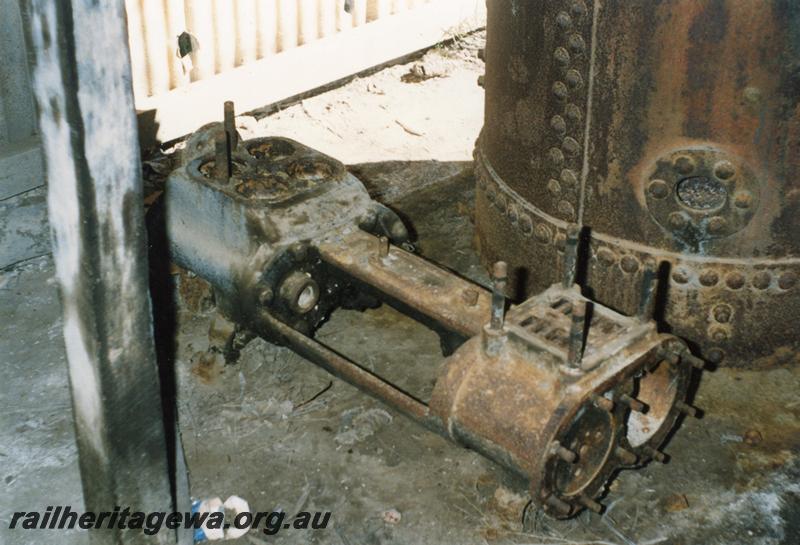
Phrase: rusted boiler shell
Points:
(670, 129)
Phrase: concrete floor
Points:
(261, 429)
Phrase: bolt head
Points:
(560, 90)
(752, 437)
(561, 55)
(566, 208)
(787, 280)
(572, 112)
(715, 355)
(709, 278)
(606, 257)
(470, 297)
(722, 313)
(513, 214)
(629, 264)
(576, 43)
(719, 334)
(558, 124)
(578, 9)
(299, 251)
(680, 276)
(556, 156)
(569, 178)
(564, 20)
(526, 224)
(724, 170)
(717, 224)
(570, 146)
(743, 199)
(542, 233)
(684, 164)
(265, 296)
(574, 79)
(658, 189)
(735, 280)
(762, 280)
(677, 220)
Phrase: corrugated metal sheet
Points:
(225, 34)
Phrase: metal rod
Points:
(590, 504)
(383, 246)
(411, 281)
(222, 157)
(571, 254)
(351, 372)
(88, 131)
(499, 278)
(648, 289)
(576, 334)
(230, 126)
(633, 403)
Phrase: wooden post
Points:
(82, 83)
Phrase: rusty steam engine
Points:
(671, 130)
(634, 178)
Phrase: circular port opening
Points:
(590, 437)
(307, 298)
(272, 149)
(657, 389)
(310, 169)
(701, 193)
(207, 168)
(300, 292)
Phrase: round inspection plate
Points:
(701, 194)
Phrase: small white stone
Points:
(392, 516)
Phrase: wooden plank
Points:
(301, 69)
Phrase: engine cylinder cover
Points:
(671, 131)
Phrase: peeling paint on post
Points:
(82, 83)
